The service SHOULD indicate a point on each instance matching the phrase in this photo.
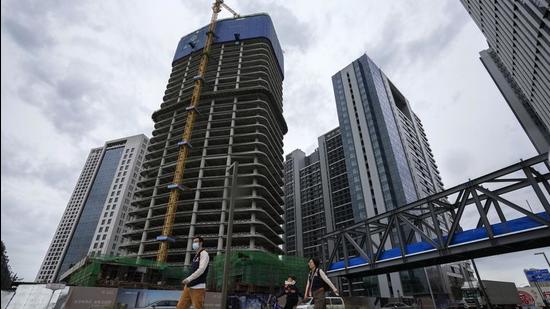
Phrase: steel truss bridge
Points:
(433, 230)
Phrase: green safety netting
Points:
(258, 270)
(253, 269)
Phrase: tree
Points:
(7, 275)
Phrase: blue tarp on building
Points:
(227, 30)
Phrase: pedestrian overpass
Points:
(505, 211)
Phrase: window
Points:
(104, 236)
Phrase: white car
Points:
(331, 302)
(162, 304)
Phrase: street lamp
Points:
(544, 254)
(235, 172)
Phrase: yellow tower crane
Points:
(176, 185)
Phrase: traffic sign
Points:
(537, 275)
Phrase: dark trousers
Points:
(319, 299)
(291, 303)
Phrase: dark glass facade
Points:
(312, 208)
(388, 160)
(91, 212)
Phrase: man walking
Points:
(195, 284)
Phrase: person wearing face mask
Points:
(195, 284)
(291, 291)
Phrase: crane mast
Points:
(185, 144)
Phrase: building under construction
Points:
(238, 118)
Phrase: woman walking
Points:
(317, 284)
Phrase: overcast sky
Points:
(78, 73)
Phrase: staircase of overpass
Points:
(504, 211)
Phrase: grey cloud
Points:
(57, 174)
(28, 21)
(396, 50)
(28, 38)
(69, 100)
(27, 246)
(435, 42)
(291, 31)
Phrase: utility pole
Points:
(430, 287)
(235, 167)
(544, 254)
(481, 286)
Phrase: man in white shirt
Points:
(195, 284)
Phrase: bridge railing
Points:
(486, 208)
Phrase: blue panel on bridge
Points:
(511, 226)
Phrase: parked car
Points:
(161, 304)
(394, 305)
(460, 305)
(331, 302)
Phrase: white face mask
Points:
(290, 282)
(195, 245)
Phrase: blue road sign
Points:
(537, 275)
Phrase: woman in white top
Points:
(317, 284)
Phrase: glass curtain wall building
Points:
(518, 59)
(93, 222)
(317, 198)
(240, 120)
(388, 159)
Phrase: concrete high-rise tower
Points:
(518, 59)
(93, 222)
(389, 161)
(240, 120)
